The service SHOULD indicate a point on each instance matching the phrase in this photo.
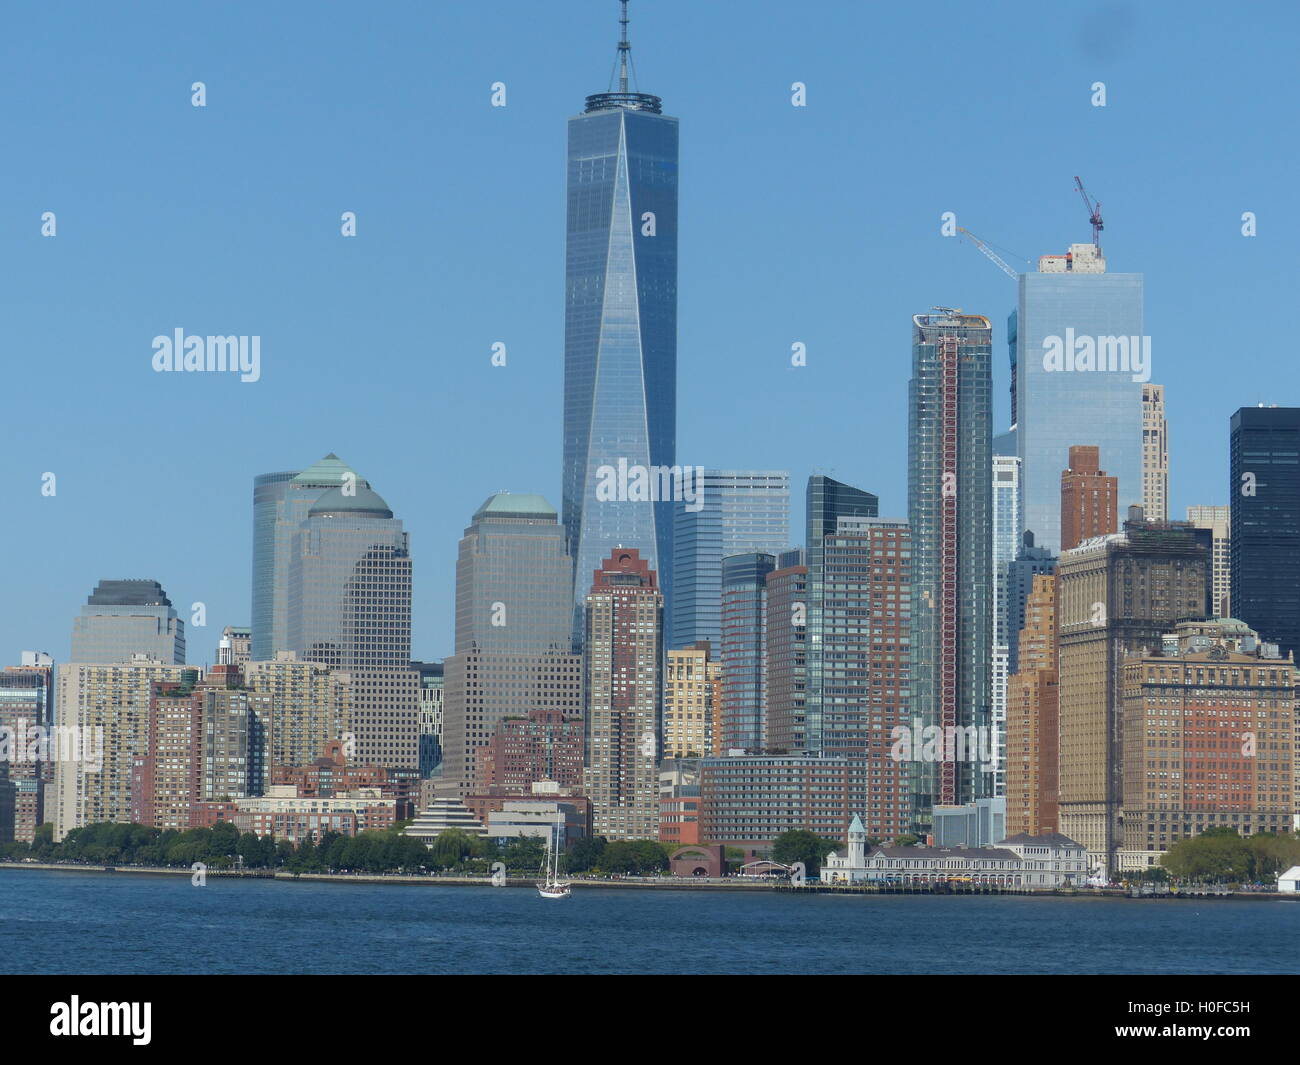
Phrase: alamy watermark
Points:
(215, 354)
(631, 483)
(1109, 354)
(943, 743)
(22, 743)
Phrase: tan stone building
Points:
(1033, 783)
(692, 681)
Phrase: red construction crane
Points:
(1094, 213)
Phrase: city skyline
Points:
(720, 435)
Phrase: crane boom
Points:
(993, 256)
(1094, 212)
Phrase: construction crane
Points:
(994, 256)
(1094, 213)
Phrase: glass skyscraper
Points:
(1072, 302)
(744, 650)
(951, 515)
(620, 327)
(1264, 550)
(743, 511)
(1006, 539)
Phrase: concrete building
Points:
(1006, 542)
(235, 647)
(692, 707)
(741, 511)
(1155, 454)
(26, 711)
(1219, 521)
(107, 706)
(1030, 562)
(122, 619)
(1209, 739)
(514, 586)
(974, 824)
(1033, 720)
(311, 705)
(623, 688)
(1115, 595)
(544, 745)
(1088, 499)
(950, 511)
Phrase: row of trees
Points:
(1223, 856)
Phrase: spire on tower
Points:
(624, 48)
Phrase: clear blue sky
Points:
(818, 225)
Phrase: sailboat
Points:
(551, 886)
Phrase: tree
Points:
(586, 852)
(800, 845)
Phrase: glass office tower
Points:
(620, 326)
(1074, 302)
(950, 510)
(1264, 551)
(743, 510)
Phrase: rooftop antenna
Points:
(624, 47)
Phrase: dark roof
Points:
(965, 853)
(1048, 839)
(128, 593)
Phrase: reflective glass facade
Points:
(1056, 408)
(620, 335)
(744, 510)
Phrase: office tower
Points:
(1088, 499)
(744, 650)
(1033, 743)
(432, 691)
(1115, 596)
(514, 615)
(1209, 739)
(827, 500)
(107, 704)
(1029, 562)
(27, 713)
(692, 717)
(124, 618)
(742, 510)
(1265, 545)
(544, 745)
(1006, 540)
(786, 684)
(1219, 521)
(310, 706)
(349, 609)
(1155, 454)
(1079, 360)
(623, 689)
(235, 648)
(620, 324)
(866, 679)
(281, 502)
(950, 514)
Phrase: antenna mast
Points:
(624, 47)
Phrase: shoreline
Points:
(664, 884)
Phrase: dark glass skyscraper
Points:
(950, 507)
(620, 325)
(1264, 552)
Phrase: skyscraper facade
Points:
(1006, 540)
(1077, 378)
(744, 650)
(27, 702)
(1033, 719)
(742, 510)
(950, 512)
(1088, 499)
(122, 619)
(620, 324)
(514, 587)
(786, 682)
(1029, 562)
(1155, 454)
(1219, 521)
(1265, 544)
(623, 690)
(692, 713)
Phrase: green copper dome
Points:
(363, 501)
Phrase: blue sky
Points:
(816, 224)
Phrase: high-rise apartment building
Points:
(122, 619)
(744, 650)
(1265, 544)
(1030, 561)
(623, 690)
(692, 710)
(514, 615)
(1219, 521)
(311, 705)
(26, 709)
(786, 681)
(950, 514)
(1115, 595)
(544, 745)
(1088, 498)
(827, 500)
(1155, 454)
(107, 703)
(1209, 739)
(739, 511)
(1033, 740)
(1006, 541)
(1079, 360)
(235, 647)
(620, 324)
(281, 502)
